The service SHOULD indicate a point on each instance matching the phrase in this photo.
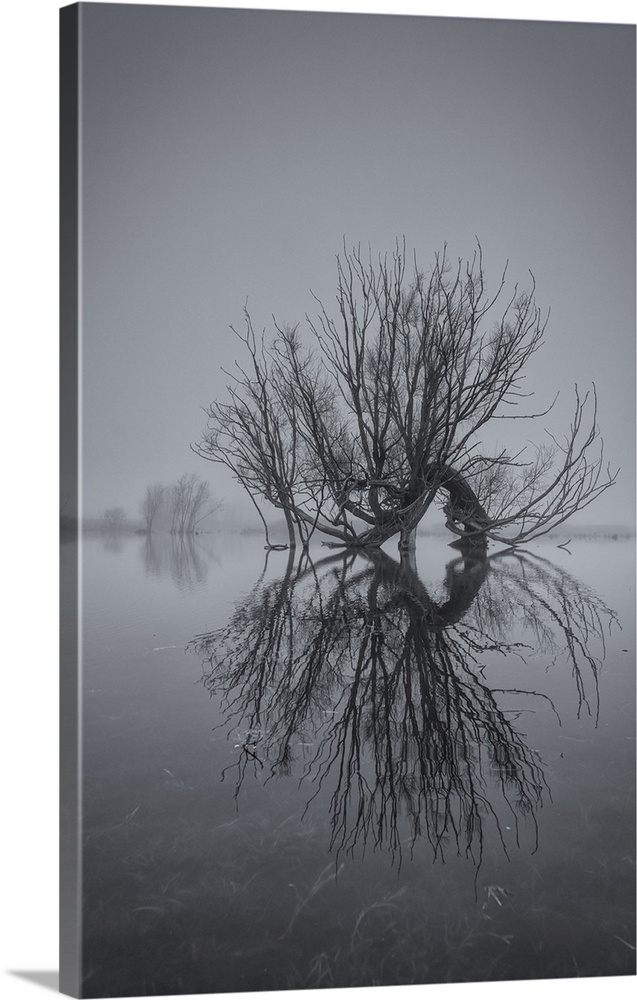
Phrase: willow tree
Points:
(356, 428)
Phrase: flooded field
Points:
(348, 772)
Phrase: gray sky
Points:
(226, 154)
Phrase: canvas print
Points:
(347, 500)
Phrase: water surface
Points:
(347, 773)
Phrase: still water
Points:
(349, 773)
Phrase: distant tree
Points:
(152, 504)
(114, 518)
(190, 503)
(357, 435)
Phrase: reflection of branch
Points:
(182, 556)
(560, 613)
(382, 689)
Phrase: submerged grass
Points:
(245, 905)
(203, 899)
(329, 874)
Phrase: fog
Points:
(226, 154)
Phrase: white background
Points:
(29, 367)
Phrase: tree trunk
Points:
(407, 548)
(289, 520)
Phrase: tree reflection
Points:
(182, 557)
(349, 671)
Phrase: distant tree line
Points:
(114, 519)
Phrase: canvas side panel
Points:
(70, 884)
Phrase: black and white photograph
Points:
(346, 501)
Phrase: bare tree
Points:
(358, 434)
(152, 505)
(114, 518)
(190, 503)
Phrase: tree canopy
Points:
(357, 428)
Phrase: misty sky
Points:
(227, 153)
